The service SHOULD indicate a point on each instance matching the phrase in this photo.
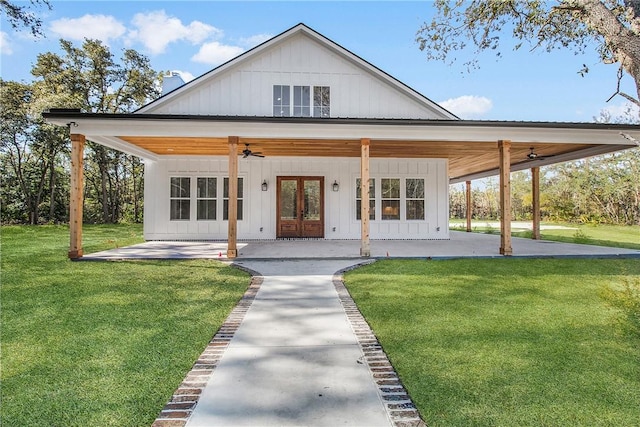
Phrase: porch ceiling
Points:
(466, 158)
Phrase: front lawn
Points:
(619, 236)
(510, 342)
(101, 343)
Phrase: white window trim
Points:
(312, 106)
(378, 199)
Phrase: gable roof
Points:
(436, 110)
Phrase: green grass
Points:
(101, 344)
(619, 236)
(510, 342)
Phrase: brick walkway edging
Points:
(176, 413)
(398, 403)
(400, 408)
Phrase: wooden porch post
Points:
(469, 210)
(535, 190)
(76, 195)
(365, 246)
(504, 148)
(232, 250)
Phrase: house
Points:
(281, 141)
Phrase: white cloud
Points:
(185, 75)
(254, 40)
(468, 106)
(5, 44)
(156, 30)
(214, 53)
(101, 27)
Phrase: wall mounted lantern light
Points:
(265, 186)
(335, 186)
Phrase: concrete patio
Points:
(460, 245)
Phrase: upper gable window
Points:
(281, 101)
(302, 102)
(321, 101)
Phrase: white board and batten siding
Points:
(245, 86)
(259, 211)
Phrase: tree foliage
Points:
(22, 15)
(34, 156)
(601, 189)
(611, 27)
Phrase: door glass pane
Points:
(288, 199)
(312, 200)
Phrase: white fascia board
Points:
(328, 43)
(381, 75)
(408, 132)
(123, 146)
(198, 81)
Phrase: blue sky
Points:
(195, 36)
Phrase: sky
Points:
(193, 37)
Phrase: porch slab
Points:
(460, 245)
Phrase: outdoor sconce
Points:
(265, 186)
(335, 186)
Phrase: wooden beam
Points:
(232, 238)
(469, 207)
(504, 148)
(535, 190)
(76, 195)
(365, 244)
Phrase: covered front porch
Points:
(461, 245)
(471, 150)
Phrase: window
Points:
(390, 198)
(415, 198)
(281, 101)
(301, 101)
(180, 197)
(300, 106)
(206, 198)
(321, 101)
(372, 199)
(225, 196)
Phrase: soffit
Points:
(465, 157)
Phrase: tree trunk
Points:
(622, 41)
(52, 191)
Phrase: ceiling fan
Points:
(535, 156)
(247, 152)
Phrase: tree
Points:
(30, 155)
(89, 78)
(613, 27)
(22, 16)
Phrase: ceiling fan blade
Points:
(247, 152)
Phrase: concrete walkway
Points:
(295, 359)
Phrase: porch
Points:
(461, 245)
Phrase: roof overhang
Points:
(470, 146)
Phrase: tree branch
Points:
(622, 94)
